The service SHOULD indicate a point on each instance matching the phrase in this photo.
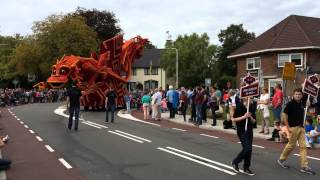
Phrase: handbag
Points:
(265, 112)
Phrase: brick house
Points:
(294, 39)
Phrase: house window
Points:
(150, 84)
(154, 71)
(294, 58)
(253, 63)
(132, 85)
(134, 71)
(146, 71)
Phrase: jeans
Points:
(112, 108)
(204, 112)
(171, 109)
(199, 113)
(277, 113)
(74, 110)
(128, 106)
(245, 154)
(193, 113)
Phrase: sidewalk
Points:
(219, 127)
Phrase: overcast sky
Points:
(152, 18)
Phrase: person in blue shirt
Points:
(308, 128)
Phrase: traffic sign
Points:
(314, 78)
(310, 89)
(249, 90)
(289, 71)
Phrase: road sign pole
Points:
(248, 106)
(306, 110)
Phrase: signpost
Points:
(207, 82)
(250, 89)
(15, 82)
(311, 89)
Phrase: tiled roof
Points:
(294, 32)
(149, 55)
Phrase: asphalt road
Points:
(130, 150)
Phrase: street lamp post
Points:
(177, 59)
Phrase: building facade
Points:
(295, 39)
(147, 71)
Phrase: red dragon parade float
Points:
(96, 74)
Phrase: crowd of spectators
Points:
(201, 101)
(13, 97)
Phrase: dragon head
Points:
(61, 71)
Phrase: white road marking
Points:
(18, 119)
(26, 126)
(254, 145)
(15, 117)
(143, 139)
(67, 165)
(257, 146)
(126, 136)
(39, 138)
(178, 129)
(32, 132)
(209, 136)
(49, 148)
(21, 122)
(96, 124)
(310, 157)
(129, 116)
(84, 122)
(60, 111)
(198, 161)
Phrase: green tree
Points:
(149, 45)
(7, 69)
(195, 55)
(231, 39)
(53, 37)
(104, 23)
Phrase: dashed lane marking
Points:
(26, 126)
(32, 132)
(215, 137)
(49, 148)
(64, 162)
(254, 145)
(178, 129)
(39, 138)
(310, 157)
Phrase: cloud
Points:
(153, 18)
